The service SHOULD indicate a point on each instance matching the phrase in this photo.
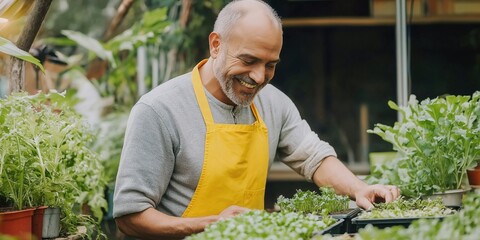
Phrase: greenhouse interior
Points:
(239, 119)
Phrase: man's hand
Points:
(232, 211)
(370, 194)
(332, 172)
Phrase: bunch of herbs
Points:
(436, 139)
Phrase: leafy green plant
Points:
(258, 224)
(311, 202)
(45, 157)
(402, 208)
(437, 140)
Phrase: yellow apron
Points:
(235, 163)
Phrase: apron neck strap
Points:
(202, 97)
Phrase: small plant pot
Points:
(17, 223)
(51, 223)
(37, 221)
(450, 198)
(474, 177)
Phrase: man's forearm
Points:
(152, 224)
(332, 172)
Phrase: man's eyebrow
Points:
(245, 55)
(251, 57)
(275, 61)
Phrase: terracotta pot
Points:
(474, 177)
(17, 223)
(37, 222)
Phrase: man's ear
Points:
(214, 44)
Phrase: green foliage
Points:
(310, 202)
(258, 224)
(120, 80)
(402, 208)
(109, 142)
(437, 140)
(45, 157)
(9, 48)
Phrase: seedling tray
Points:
(332, 229)
(347, 216)
(387, 222)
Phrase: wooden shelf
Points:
(377, 21)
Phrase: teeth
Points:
(248, 85)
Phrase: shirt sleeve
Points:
(299, 147)
(146, 163)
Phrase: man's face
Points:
(246, 61)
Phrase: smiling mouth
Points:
(248, 85)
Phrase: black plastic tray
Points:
(332, 229)
(347, 226)
(387, 222)
(349, 213)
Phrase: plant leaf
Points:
(9, 48)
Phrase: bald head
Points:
(237, 10)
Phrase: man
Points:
(198, 147)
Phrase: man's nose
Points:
(258, 74)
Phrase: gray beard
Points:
(227, 86)
(226, 83)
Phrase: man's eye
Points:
(270, 66)
(248, 62)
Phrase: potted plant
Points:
(437, 140)
(17, 215)
(45, 151)
(474, 175)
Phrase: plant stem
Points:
(19, 193)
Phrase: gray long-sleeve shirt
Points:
(163, 153)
